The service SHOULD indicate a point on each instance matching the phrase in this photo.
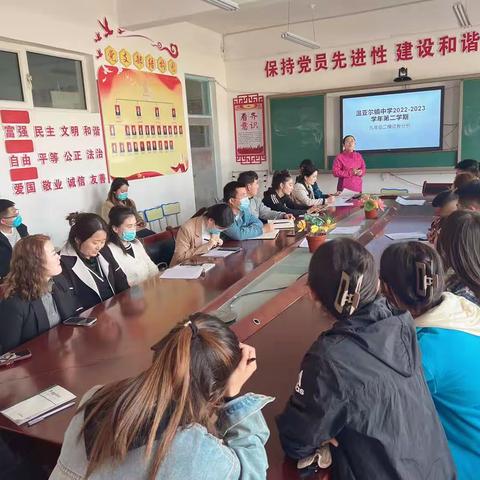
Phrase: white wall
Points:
(53, 24)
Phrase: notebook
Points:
(282, 223)
(266, 236)
(40, 406)
(187, 272)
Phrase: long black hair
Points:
(340, 269)
(82, 227)
(413, 272)
(221, 214)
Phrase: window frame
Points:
(86, 61)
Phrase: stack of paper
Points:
(406, 201)
(41, 406)
(405, 236)
(265, 236)
(345, 230)
(187, 272)
(282, 223)
(218, 253)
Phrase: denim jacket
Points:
(246, 225)
(238, 454)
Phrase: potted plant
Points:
(316, 228)
(371, 205)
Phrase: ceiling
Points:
(261, 14)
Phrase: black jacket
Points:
(362, 383)
(79, 277)
(282, 204)
(22, 320)
(6, 250)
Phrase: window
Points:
(198, 97)
(199, 136)
(10, 80)
(56, 82)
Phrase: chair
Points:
(160, 246)
(170, 210)
(432, 189)
(154, 214)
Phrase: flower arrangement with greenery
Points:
(316, 224)
(371, 202)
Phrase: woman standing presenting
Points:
(349, 166)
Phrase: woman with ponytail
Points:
(182, 418)
(361, 386)
(448, 331)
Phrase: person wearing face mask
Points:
(36, 296)
(11, 231)
(245, 225)
(118, 196)
(91, 269)
(127, 250)
(202, 232)
(349, 166)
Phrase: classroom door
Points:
(202, 144)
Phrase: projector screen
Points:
(393, 121)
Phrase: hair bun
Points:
(72, 218)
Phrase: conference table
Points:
(263, 286)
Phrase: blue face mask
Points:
(129, 235)
(122, 196)
(244, 203)
(214, 231)
(17, 221)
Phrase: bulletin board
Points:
(143, 122)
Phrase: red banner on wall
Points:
(249, 122)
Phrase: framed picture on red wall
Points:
(249, 122)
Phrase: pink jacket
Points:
(343, 167)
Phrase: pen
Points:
(51, 412)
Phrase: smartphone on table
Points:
(80, 321)
(11, 357)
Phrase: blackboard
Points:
(297, 131)
(471, 119)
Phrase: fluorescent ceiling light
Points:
(461, 14)
(225, 4)
(305, 42)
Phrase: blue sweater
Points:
(245, 226)
(451, 361)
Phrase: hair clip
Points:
(344, 298)
(193, 327)
(423, 280)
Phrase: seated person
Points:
(444, 203)
(249, 180)
(317, 193)
(182, 418)
(448, 331)
(36, 297)
(90, 268)
(468, 165)
(303, 191)
(202, 232)
(458, 245)
(278, 196)
(118, 196)
(245, 224)
(462, 179)
(469, 196)
(361, 385)
(127, 250)
(11, 230)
